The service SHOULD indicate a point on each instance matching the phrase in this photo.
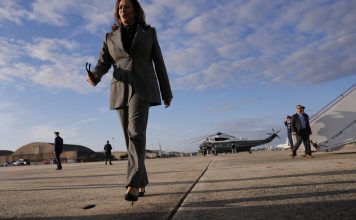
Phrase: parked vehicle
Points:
(47, 161)
(22, 162)
(5, 164)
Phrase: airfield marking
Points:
(174, 211)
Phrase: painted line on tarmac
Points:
(174, 211)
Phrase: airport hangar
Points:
(39, 152)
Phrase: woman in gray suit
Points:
(139, 80)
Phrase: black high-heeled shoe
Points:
(131, 198)
(141, 193)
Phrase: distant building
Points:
(5, 155)
(5, 152)
(120, 155)
(41, 151)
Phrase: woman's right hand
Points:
(90, 75)
(89, 80)
(167, 102)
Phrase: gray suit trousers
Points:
(134, 119)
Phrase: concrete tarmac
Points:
(261, 185)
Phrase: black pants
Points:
(58, 160)
(302, 136)
(108, 156)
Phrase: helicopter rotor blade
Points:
(193, 142)
(194, 139)
(236, 132)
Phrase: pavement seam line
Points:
(176, 208)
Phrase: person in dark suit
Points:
(233, 148)
(301, 129)
(58, 149)
(107, 149)
(139, 81)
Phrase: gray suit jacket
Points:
(135, 72)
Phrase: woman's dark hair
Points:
(140, 14)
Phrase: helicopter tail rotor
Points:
(274, 133)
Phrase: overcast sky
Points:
(235, 66)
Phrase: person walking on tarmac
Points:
(233, 147)
(287, 123)
(140, 80)
(58, 149)
(301, 129)
(107, 149)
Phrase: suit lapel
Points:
(137, 37)
(139, 40)
(116, 38)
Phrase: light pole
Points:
(112, 142)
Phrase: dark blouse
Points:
(127, 36)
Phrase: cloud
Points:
(47, 12)
(9, 51)
(322, 61)
(8, 116)
(6, 120)
(50, 49)
(206, 44)
(45, 132)
(230, 106)
(236, 125)
(41, 132)
(265, 42)
(181, 60)
(5, 105)
(58, 64)
(11, 10)
(336, 18)
(86, 120)
(94, 14)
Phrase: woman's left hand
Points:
(167, 102)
